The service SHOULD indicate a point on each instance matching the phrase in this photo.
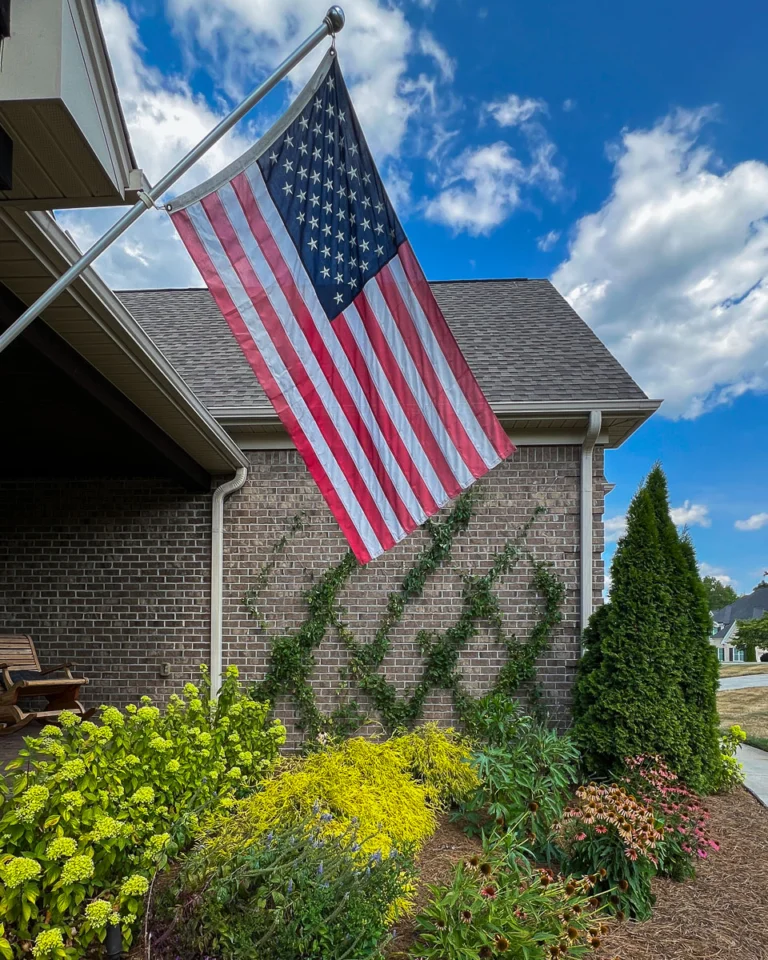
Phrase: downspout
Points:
(587, 519)
(220, 494)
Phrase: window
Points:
(720, 654)
(738, 655)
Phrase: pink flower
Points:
(702, 854)
(582, 836)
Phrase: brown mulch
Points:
(723, 913)
(445, 848)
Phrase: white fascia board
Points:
(106, 89)
(112, 317)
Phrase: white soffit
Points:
(60, 108)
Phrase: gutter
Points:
(587, 520)
(220, 494)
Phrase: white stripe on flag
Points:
(418, 388)
(282, 377)
(308, 360)
(394, 408)
(325, 329)
(452, 388)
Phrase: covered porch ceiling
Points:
(93, 352)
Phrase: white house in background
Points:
(726, 630)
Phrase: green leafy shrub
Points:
(297, 893)
(99, 808)
(525, 776)
(730, 773)
(610, 834)
(648, 678)
(500, 906)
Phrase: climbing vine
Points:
(292, 656)
(252, 594)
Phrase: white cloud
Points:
(238, 41)
(431, 48)
(548, 241)
(756, 522)
(165, 119)
(672, 271)
(569, 105)
(707, 570)
(480, 191)
(482, 186)
(514, 110)
(690, 515)
(615, 528)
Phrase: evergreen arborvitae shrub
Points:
(648, 676)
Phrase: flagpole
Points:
(332, 24)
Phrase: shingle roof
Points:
(520, 337)
(751, 607)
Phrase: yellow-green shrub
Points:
(390, 789)
(440, 759)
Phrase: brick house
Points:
(144, 477)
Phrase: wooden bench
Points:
(22, 678)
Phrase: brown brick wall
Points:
(115, 575)
(112, 575)
(278, 487)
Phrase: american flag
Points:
(304, 255)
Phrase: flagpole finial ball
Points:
(335, 18)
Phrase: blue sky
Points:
(620, 150)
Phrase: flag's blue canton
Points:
(322, 179)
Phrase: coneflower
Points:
(533, 806)
(486, 869)
(466, 916)
(623, 886)
(490, 892)
(572, 932)
(440, 923)
(485, 953)
(502, 944)
(474, 861)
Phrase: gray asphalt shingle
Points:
(521, 339)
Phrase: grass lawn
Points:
(742, 669)
(748, 708)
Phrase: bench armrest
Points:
(66, 667)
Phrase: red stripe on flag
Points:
(391, 434)
(464, 376)
(453, 425)
(272, 254)
(405, 397)
(231, 244)
(243, 336)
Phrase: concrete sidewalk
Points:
(755, 769)
(740, 683)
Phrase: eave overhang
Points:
(60, 107)
(527, 422)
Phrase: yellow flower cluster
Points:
(31, 802)
(61, 848)
(98, 913)
(47, 941)
(18, 870)
(134, 886)
(77, 869)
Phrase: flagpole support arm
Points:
(332, 23)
